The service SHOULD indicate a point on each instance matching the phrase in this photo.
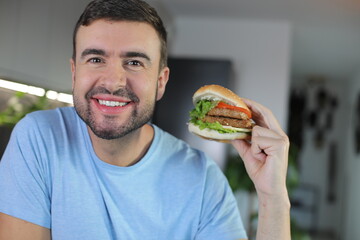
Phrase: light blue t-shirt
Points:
(51, 176)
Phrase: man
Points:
(101, 171)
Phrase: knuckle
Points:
(284, 142)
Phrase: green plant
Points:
(237, 176)
(20, 105)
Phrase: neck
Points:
(125, 151)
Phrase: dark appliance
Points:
(172, 111)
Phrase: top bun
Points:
(218, 93)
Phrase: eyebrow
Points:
(100, 52)
(92, 51)
(136, 54)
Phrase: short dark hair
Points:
(127, 10)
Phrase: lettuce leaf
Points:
(201, 108)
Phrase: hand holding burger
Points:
(265, 156)
(220, 115)
(266, 160)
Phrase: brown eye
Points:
(95, 60)
(134, 63)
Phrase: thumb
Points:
(249, 150)
(253, 158)
(241, 146)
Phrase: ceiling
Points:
(326, 33)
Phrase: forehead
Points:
(117, 35)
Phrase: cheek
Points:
(144, 86)
(83, 81)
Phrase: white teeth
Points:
(112, 103)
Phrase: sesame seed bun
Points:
(218, 93)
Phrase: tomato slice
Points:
(224, 105)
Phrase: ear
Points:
(73, 68)
(162, 81)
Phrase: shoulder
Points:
(190, 159)
(172, 145)
(46, 125)
(46, 119)
(179, 152)
(52, 115)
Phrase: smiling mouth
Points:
(112, 103)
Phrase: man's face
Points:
(116, 76)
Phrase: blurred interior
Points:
(301, 59)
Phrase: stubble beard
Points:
(109, 128)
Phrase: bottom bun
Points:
(210, 134)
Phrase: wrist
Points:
(274, 217)
(276, 202)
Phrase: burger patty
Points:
(223, 112)
(225, 121)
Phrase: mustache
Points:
(121, 92)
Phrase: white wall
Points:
(352, 230)
(36, 41)
(314, 160)
(259, 51)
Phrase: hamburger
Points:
(219, 115)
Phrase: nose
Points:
(114, 77)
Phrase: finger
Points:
(242, 147)
(258, 152)
(251, 162)
(261, 138)
(269, 147)
(265, 132)
(263, 116)
(261, 146)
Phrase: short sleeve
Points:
(220, 217)
(24, 187)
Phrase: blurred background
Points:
(299, 58)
